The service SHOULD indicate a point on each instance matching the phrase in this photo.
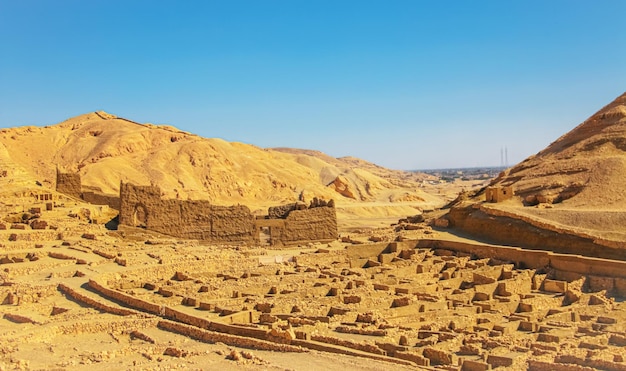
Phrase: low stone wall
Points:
(176, 315)
(126, 299)
(24, 237)
(188, 319)
(228, 339)
(94, 303)
(123, 325)
(257, 333)
(512, 229)
(369, 348)
(337, 349)
(535, 259)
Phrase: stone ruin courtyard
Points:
(78, 296)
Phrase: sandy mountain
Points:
(13, 177)
(586, 166)
(107, 149)
(570, 197)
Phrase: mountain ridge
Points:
(106, 149)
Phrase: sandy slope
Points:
(584, 168)
(577, 182)
(106, 149)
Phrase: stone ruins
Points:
(142, 206)
(136, 299)
(498, 194)
(70, 184)
(429, 303)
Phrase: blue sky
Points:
(405, 84)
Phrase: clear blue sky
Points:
(406, 84)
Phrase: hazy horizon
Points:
(404, 84)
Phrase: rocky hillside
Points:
(569, 198)
(585, 167)
(107, 149)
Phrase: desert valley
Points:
(138, 246)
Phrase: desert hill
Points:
(586, 166)
(106, 149)
(569, 197)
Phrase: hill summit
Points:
(586, 166)
(570, 197)
(106, 149)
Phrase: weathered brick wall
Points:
(313, 224)
(101, 199)
(185, 219)
(69, 184)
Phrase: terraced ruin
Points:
(77, 295)
(526, 271)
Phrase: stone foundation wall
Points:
(228, 339)
(93, 303)
(126, 299)
(516, 232)
(535, 259)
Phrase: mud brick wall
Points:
(101, 199)
(69, 184)
(143, 206)
(313, 224)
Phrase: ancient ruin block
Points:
(498, 194)
(175, 352)
(606, 320)
(69, 184)
(143, 207)
(548, 338)
(282, 211)
(470, 365)
(500, 360)
(401, 302)
(334, 311)
(264, 307)
(617, 340)
(38, 224)
(554, 286)
(312, 224)
(440, 357)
